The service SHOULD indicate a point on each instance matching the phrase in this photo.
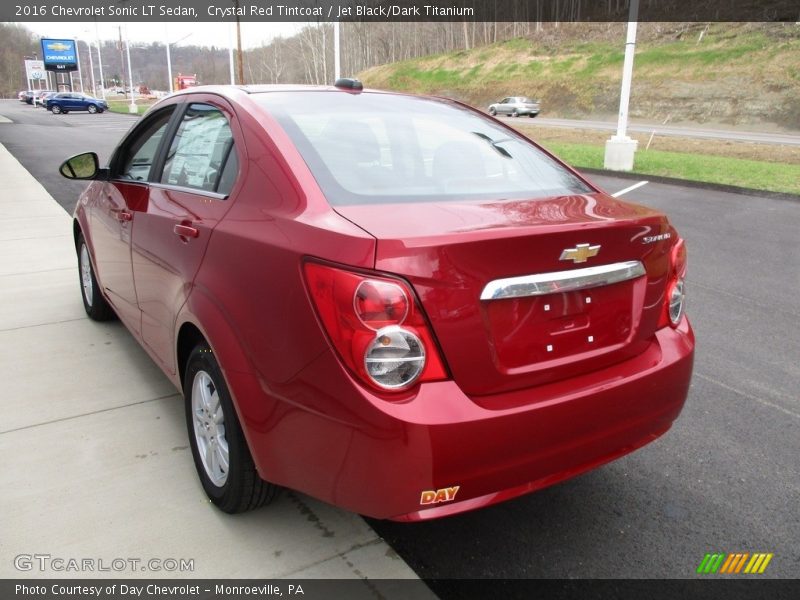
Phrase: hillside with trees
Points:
(694, 72)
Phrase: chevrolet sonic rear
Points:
(392, 303)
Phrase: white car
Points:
(515, 106)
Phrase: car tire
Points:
(532, 115)
(95, 305)
(493, 112)
(216, 437)
(92, 109)
(56, 109)
(514, 113)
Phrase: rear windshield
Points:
(383, 148)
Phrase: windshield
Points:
(380, 148)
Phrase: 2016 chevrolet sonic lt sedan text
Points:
(395, 304)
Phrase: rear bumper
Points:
(324, 435)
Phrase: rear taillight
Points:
(675, 301)
(376, 326)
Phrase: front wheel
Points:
(56, 109)
(492, 112)
(219, 449)
(94, 303)
(92, 109)
(514, 113)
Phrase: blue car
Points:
(64, 102)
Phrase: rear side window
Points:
(202, 155)
(380, 148)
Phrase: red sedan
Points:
(392, 303)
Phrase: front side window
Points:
(379, 148)
(200, 151)
(139, 153)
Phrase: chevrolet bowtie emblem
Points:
(580, 253)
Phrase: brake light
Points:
(376, 326)
(675, 299)
(380, 303)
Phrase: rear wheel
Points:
(94, 303)
(56, 109)
(531, 115)
(92, 109)
(220, 452)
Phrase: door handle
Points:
(185, 231)
(124, 215)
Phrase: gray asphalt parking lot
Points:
(725, 479)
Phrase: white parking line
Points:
(630, 189)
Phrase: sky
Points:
(199, 34)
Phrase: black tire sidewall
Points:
(202, 359)
(99, 310)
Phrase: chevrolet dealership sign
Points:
(59, 55)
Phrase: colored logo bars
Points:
(734, 563)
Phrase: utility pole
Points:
(620, 149)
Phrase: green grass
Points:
(121, 106)
(774, 177)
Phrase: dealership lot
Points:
(104, 470)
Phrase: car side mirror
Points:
(81, 166)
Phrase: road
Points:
(789, 139)
(41, 140)
(726, 478)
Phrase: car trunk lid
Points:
(458, 254)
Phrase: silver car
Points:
(516, 106)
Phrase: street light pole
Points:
(100, 62)
(620, 149)
(132, 108)
(91, 68)
(169, 60)
(337, 60)
(80, 71)
(169, 57)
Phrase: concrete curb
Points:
(732, 189)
